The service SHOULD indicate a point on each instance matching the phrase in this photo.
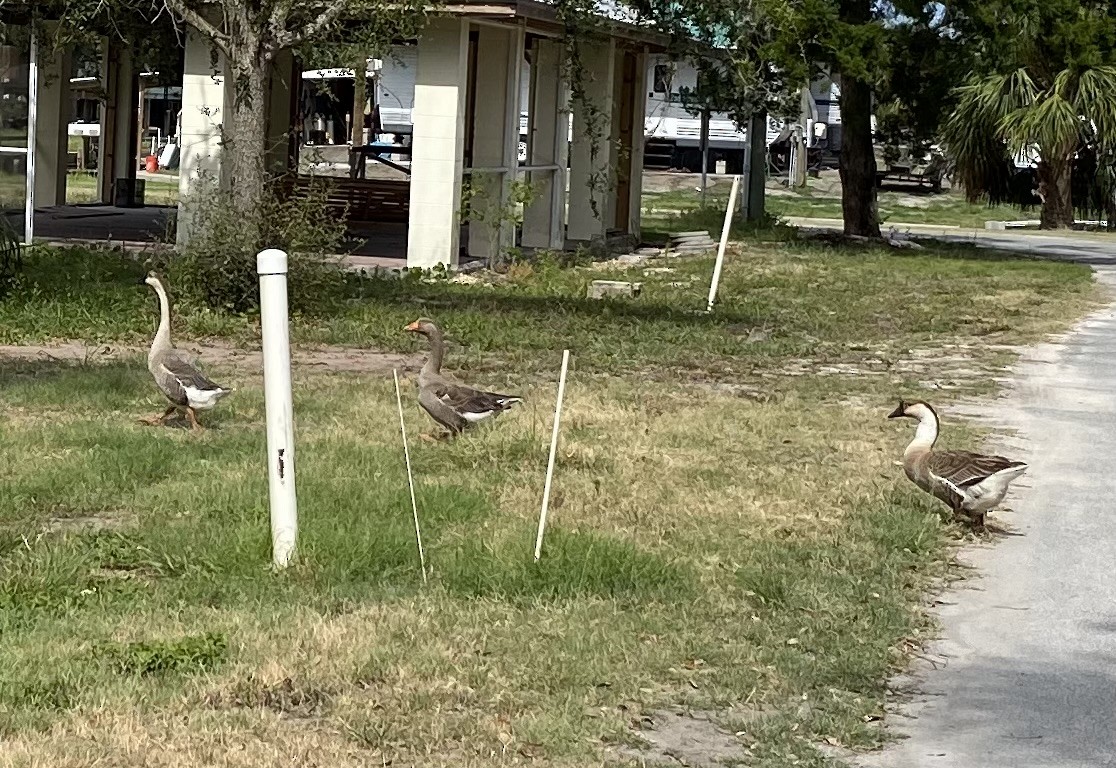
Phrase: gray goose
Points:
(187, 388)
(973, 483)
(452, 405)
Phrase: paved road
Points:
(1026, 670)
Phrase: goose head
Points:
(152, 279)
(914, 409)
(424, 326)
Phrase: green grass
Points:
(81, 187)
(728, 532)
(896, 206)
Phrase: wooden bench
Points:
(931, 176)
(359, 201)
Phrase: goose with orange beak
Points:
(970, 483)
(453, 405)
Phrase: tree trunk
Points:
(1055, 191)
(246, 144)
(360, 96)
(858, 160)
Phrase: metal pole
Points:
(32, 130)
(704, 139)
(271, 265)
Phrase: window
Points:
(662, 78)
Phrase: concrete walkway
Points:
(1025, 673)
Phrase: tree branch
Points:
(198, 22)
(286, 38)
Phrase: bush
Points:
(11, 256)
(217, 268)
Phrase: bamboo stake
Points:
(553, 454)
(410, 478)
(723, 244)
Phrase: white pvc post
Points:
(272, 268)
(32, 131)
(553, 453)
(410, 476)
(724, 243)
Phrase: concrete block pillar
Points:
(591, 178)
(53, 117)
(438, 119)
(547, 144)
(495, 139)
(282, 90)
(206, 106)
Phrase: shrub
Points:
(217, 268)
(11, 256)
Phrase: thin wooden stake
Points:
(553, 454)
(724, 243)
(410, 478)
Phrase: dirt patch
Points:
(222, 354)
(687, 738)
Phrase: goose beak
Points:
(412, 328)
(897, 413)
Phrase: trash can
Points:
(129, 193)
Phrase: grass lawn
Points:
(729, 533)
(822, 200)
(81, 187)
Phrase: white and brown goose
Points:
(973, 483)
(453, 405)
(187, 388)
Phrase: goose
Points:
(972, 483)
(186, 387)
(452, 405)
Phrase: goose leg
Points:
(156, 421)
(978, 521)
(192, 417)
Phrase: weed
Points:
(191, 654)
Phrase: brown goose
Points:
(184, 385)
(973, 483)
(452, 405)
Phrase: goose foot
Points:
(439, 437)
(158, 421)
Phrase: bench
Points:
(931, 176)
(359, 201)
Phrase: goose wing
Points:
(960, 470)
(472, 404)
(186, 375)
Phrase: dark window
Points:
(662, 78)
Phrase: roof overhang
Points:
(542, 18)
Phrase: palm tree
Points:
(1000, 116)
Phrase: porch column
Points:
(51, 139)
(206, 105)
(116, 147)
(438, 117)
(495, 139)
(591, 179)
(282, 90)
(629, 117)
(547, 144)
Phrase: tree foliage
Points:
(1044, 79)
